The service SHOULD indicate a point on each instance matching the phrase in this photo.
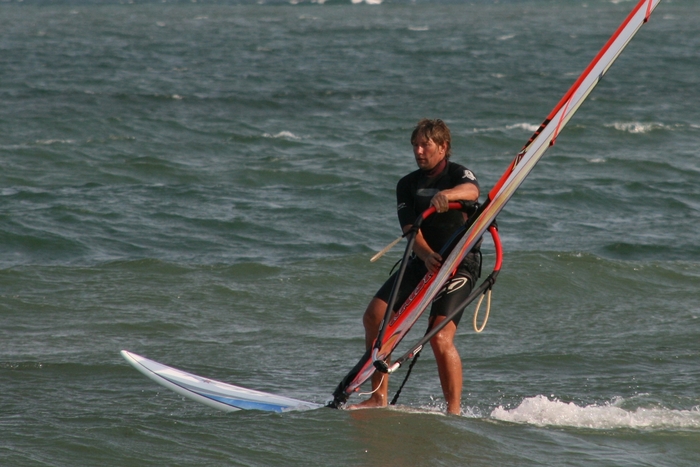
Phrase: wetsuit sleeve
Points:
(405, 205)
(460, 175)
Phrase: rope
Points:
(488, 311)
(408, 373)
(375, 390)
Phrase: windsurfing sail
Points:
(545, 136)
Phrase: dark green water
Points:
(204, 184)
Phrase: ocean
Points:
(203, 183)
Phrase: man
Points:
(437, 182)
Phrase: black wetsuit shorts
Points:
(450, 296)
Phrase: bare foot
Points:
(374, 402)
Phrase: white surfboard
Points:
(216, 394)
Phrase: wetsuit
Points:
(413, 195)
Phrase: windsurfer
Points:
(437, 182)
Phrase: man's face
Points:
(427, 153)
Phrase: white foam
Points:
(49, 142)
(523, 126)
(8, 191)
(541, 411)
(517, 126)
(637, 127)
(282, 134)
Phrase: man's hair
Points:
(435, 130)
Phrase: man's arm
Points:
(463, 192)
(441, 201)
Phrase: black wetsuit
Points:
(413, 195)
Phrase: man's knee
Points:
(441, 342)
(374, 313)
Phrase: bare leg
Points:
(374, 314)
(449, 366)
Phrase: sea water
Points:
(203, 183)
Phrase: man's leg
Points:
(374, 314)
(449, 365)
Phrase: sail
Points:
(510, 181)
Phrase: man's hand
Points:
(440, 202)
(433, 262)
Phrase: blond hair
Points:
(435, 130)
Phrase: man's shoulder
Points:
(409, 178)
(461, 172)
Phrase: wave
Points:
(523, 126)
(283, 134)
(638, 127)
(541, 411)
(49, 142)
(529, 127)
